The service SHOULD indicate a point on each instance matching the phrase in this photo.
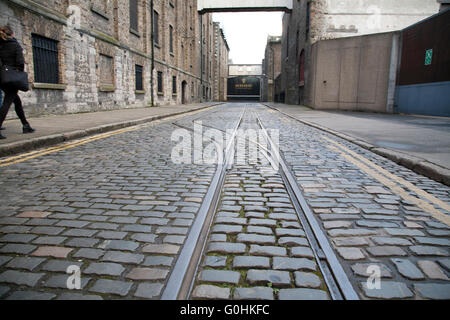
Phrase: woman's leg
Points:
(1, 103)
(19, 110)
(10, 96)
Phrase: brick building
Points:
(221, 54)
(84, 56)
(271, 67)
(314, 20)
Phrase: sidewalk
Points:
(419, 143)
(52, 130)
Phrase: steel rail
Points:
(181, 280)
(335, 277)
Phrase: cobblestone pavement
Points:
(120, 209)
(373, 211)
(257, 248)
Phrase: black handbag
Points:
(13, 79)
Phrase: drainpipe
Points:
(152, 53)
(201, 59)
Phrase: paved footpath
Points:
(120, 209)
(51, 130)
(417, 142)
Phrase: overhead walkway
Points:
(243, 5)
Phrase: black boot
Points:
(28, 129)
(2, 136)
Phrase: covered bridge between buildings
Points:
(243, 5)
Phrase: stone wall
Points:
(98, 53)
(271, 68)
(220, 68)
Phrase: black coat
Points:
(11, 54)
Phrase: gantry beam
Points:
(243, 5)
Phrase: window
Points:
(134, 15)
(174, 85)
(160, 82)
(204, 35)
(203, 64)
(287, 42)
(171, 39)
(156, 27)
(45, 59)
(106, 67)
(308, 18)
(139, 76)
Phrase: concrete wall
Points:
(353, 73)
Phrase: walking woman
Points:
(11, 55)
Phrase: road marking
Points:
(400, 180)
(56, 148)
(396, 188)
(18, 159)
(34, 154)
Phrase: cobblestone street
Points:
(118, 207)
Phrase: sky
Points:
(246, 33)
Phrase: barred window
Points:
(45, 59)
(160, 82)
(139, 80)
(156, 27)
(134, 15)
(174, 85)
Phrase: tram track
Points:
(181, 280)
(183, 277)
(337, 281)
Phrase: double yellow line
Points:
(393, 182)
(38, 153)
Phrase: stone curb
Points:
(413, 163)
(50, 140)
